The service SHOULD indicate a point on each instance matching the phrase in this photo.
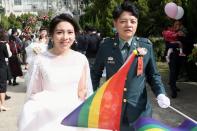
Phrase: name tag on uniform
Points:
(110, 60)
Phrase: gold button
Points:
(125, 89)
(125, 100)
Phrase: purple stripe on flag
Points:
(187, 124)
(72, 118)
(146, 120)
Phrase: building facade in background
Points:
(19, 7)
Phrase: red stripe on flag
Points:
(111, 105)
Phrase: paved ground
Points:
(186, 102)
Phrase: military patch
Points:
(110, 60)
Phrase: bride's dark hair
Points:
(60, 18)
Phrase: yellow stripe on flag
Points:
(94, 111)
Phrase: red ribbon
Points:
(140, 65)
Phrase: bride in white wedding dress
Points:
(38, 46)
(59, 81)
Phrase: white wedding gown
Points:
(31, 55)
(52, 91)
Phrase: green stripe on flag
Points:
(84, 113)
(194, 129)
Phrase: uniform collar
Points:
(122, 42)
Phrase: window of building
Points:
(17, 2)
(66, 2)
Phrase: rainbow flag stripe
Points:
(98, 109)
(150, 124)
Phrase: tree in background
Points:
(99, 14)
(14, 21)
(152, 16)
(4, 22)
(192, 19)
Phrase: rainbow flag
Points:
(150, 124)
(103, 108)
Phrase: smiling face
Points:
(126, 25)
(43, 34)
(63, 37)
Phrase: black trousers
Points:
(130, 115)
(174, 68)
(126, 120)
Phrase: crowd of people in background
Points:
(88, 42)
(25, 45)
(5, 53)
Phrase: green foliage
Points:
(85, 20)
(191, 19)
(193, 56)
(158, 47)
(152, 18)
(12, 19)
(4, 22)
(97, 24)
(14, 22)
(151, 22)
(27, 22)
(99, 15)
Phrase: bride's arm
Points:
(85, 88)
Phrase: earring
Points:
(75, 42)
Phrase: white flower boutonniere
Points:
(141, 51)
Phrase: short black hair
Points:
(60, 18)
(14, 30)
(125, 6)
